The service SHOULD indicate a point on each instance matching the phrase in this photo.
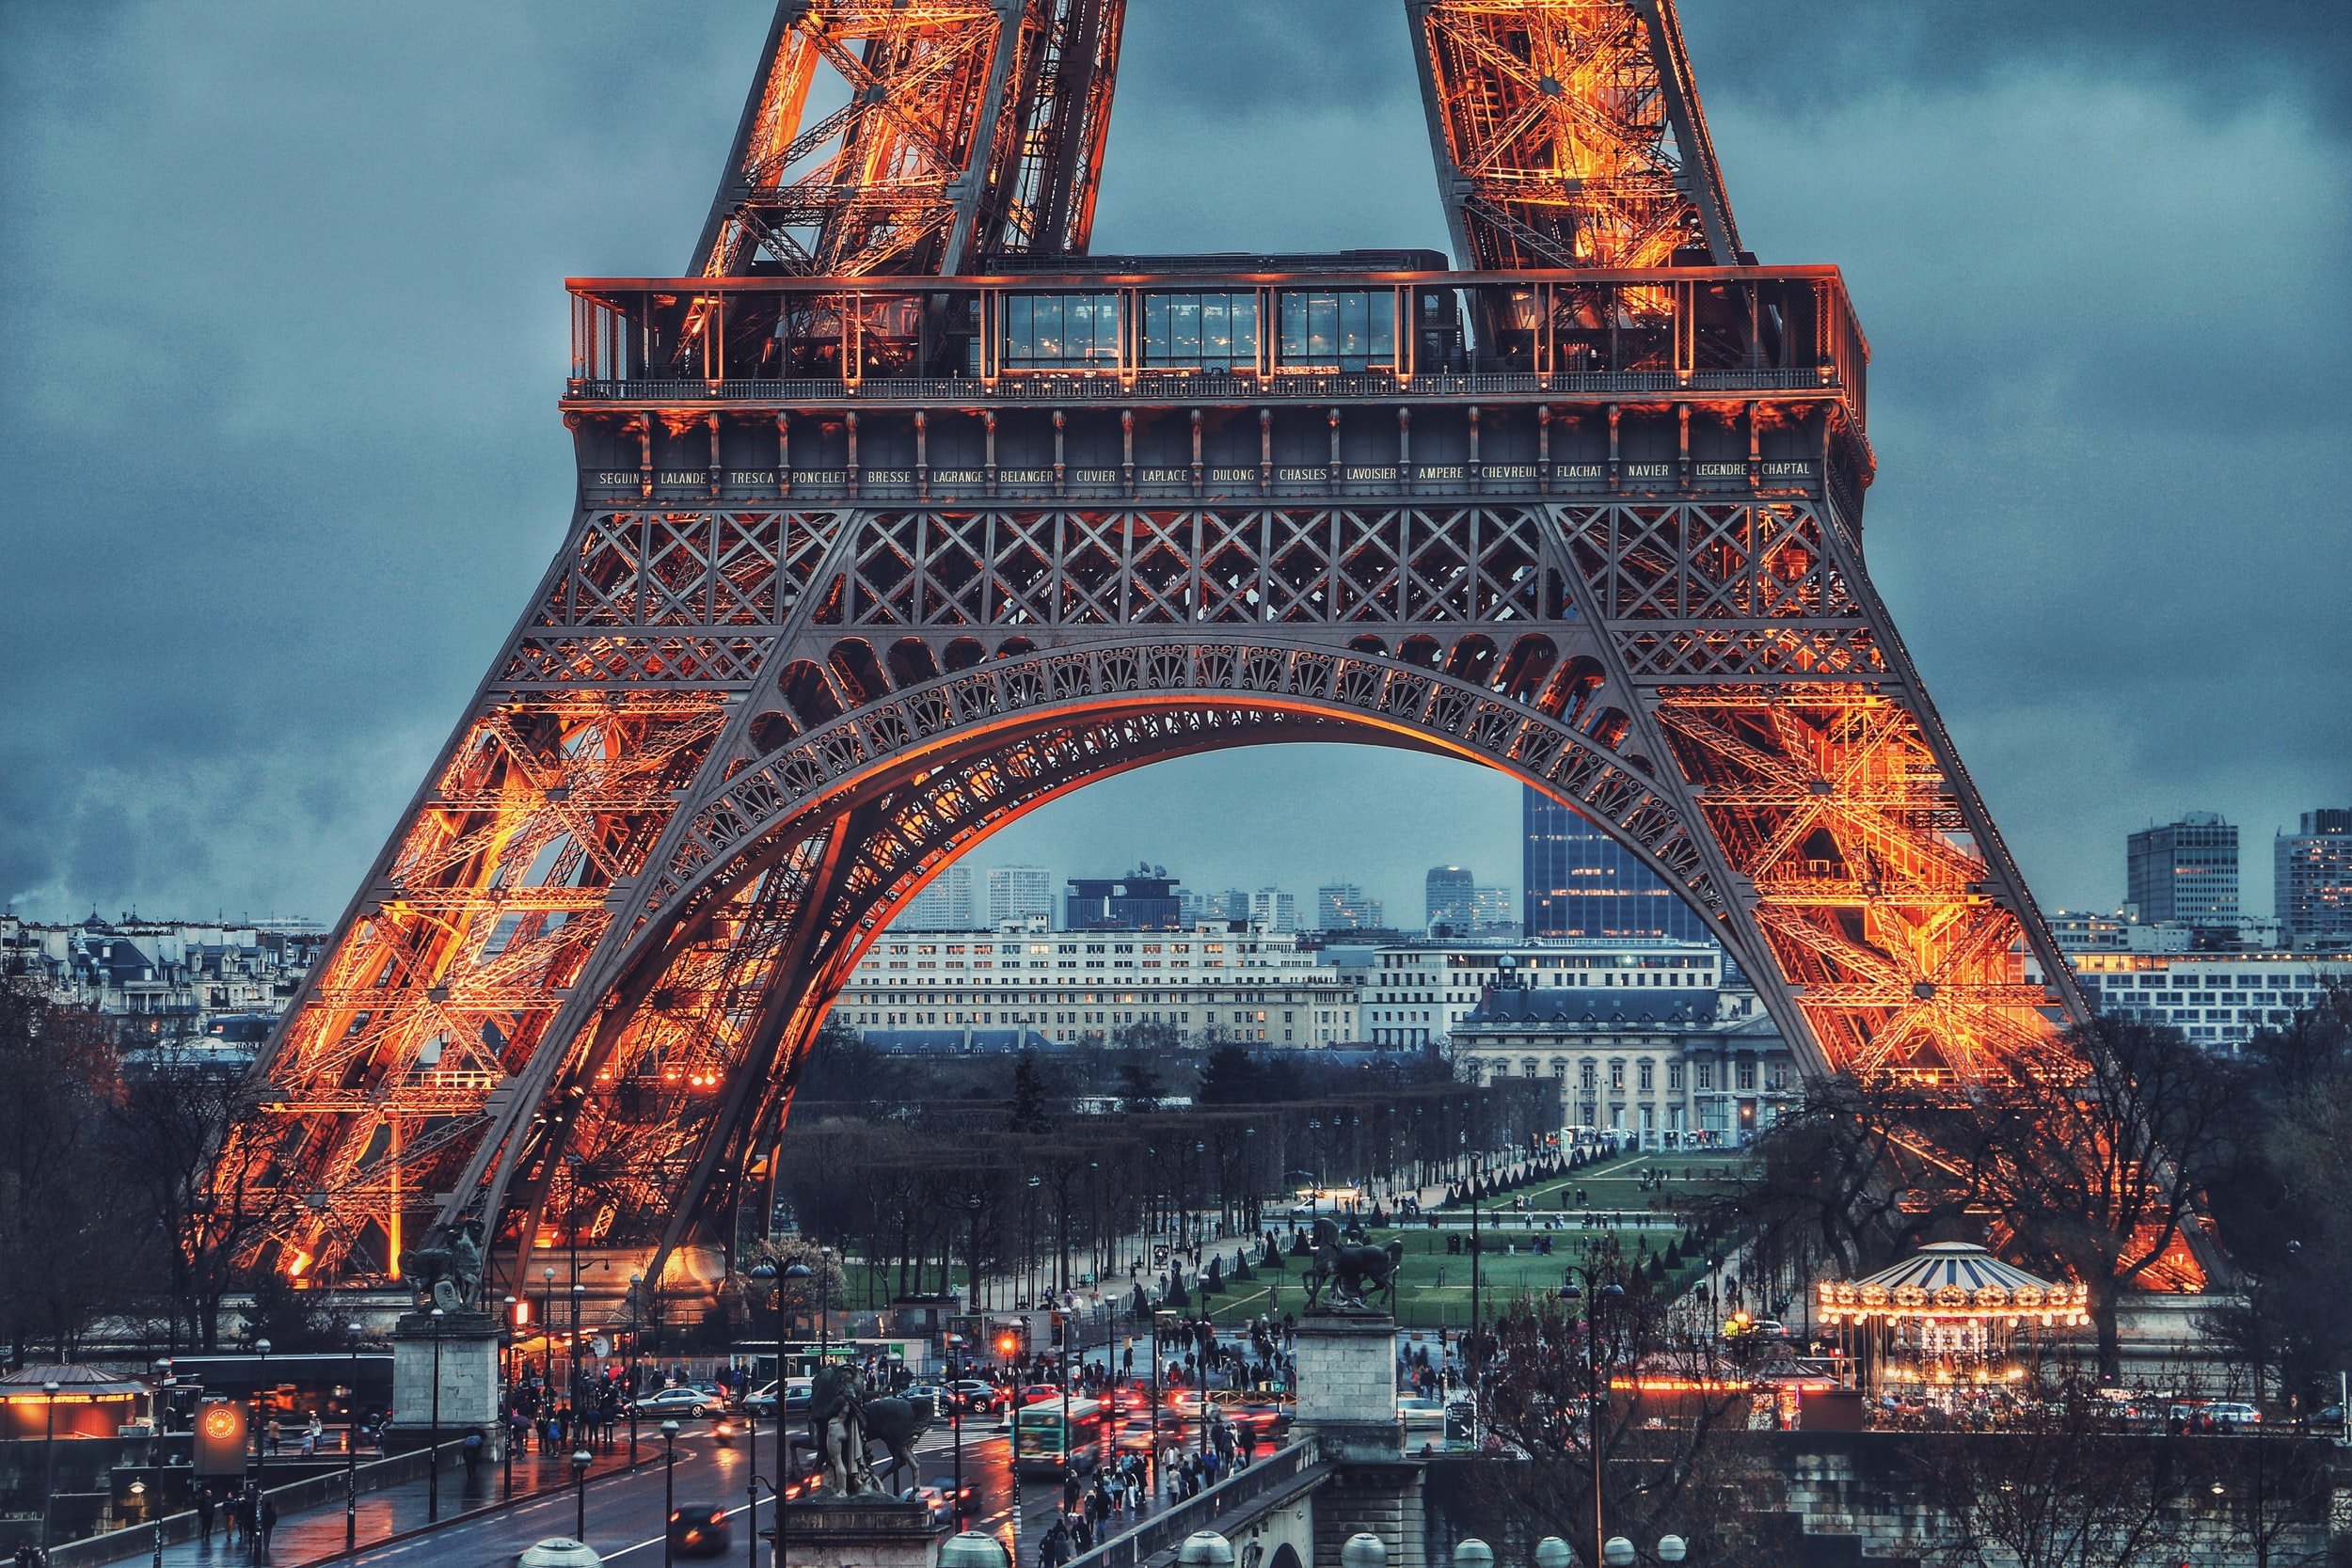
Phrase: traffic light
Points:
(220, 1438)
(1007, 1345)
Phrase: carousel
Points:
(1950, 1331)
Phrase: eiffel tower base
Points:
(467, 1359)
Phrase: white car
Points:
(1419, 1413)
(675, 1401)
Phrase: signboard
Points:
(220, 1438)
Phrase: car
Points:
(1419, 1413)
(928, 1398)
(972, 1396)
(675, 1401)
(939, 1495)
(699, 1529)
(764, 1401)
(1038, 1393)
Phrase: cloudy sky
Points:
(283, 327)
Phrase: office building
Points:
(2218, 1000)
(1345, 907)
(999, 988)
(944, 905)
(1145, 899)
(1494, 913)
(1020, 892)
(2314, 877)
(1274, 909)
(1579, 883)
(2184, 871)
(1450, 900)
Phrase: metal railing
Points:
(964, 391)
(1237, 1494)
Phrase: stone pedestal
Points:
(862, 1532)
(468, 1361)
(1347, 1386)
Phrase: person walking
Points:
(265, 1517)
(204, 1516)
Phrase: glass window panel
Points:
(1106, 329)
(1293, 326)
(1355, 324)
(1384, 326)
(1246, 328)
(1049, 328)
(1020, 346)
(1155, 329)
(1216, 340)
(1187, 325)
(1322, 309)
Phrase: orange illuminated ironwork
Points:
(969, 129)
(839, 600)
(1567, 134)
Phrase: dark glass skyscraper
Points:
(1581, 883)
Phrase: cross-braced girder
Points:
(963, 129)
(1567, 134)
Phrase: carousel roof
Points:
(1962, 1263)
(1952, 1276)
(73, 1381)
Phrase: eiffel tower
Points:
(900, 515)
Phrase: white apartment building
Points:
(1416, 995)
(944, 905)
(1275, 910)
(1019, 893)
(1249, 985)
(2217, 999)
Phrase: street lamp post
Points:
(350, 1447)
(582, 1459)
(507, 1407)
(956, 1399)
(669, 1495)
(767, 1273)
(636, 1288)
(1603, 1293)
(433, 1437)
(575, 1391)
(261, 1452)
(547, 1331)
(48, 1462)
(154, 1513)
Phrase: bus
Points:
(1045, 1441)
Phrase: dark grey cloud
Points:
(2215, 60)
(284, 325)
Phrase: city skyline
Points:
(268, 612)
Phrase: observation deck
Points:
(1171, 378)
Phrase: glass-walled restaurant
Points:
(757, 337)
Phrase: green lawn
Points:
(1435, 1291)
(1436, 1288)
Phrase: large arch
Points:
(797, 865)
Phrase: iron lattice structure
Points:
(956, 129)
(902, 518)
